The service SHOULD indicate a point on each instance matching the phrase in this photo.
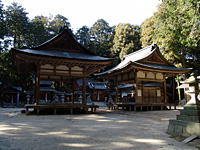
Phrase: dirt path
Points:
(105, 130)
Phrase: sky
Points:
(87, 12)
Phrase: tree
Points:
(58, 22)
(101, 35)
(126, 40)
(83, 37)
(9, 74)
(147, 31)
(17, 23)
(3, 29)
(2, 21)
(38, 31)
(177, 31)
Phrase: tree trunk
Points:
(183, 57)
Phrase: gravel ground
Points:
(105, 130)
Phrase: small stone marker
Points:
(189, 139)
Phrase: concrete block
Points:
(170, 128)
(187, 123)
(178, 129)
(181, 123)
(188, 118)
(190, 112)
(172, 122)
(191, 107)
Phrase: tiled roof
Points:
(136, 57)
(98, 85)
(62, 54)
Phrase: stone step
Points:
(183, 127)
(190, 112)
(192, 107)
(188, 118)
(178, 123)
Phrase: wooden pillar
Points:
(174, 89)
(165, 90)
(142, 91)
(84, 87)
(73, 89)
(37, 86)
(136, 92)
(117, 93)
(136, 88)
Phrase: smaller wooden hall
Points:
(61, 58)
(144, 69)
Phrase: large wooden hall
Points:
(61, 58)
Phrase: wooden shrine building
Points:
(99, 91)
(10, 96)
(143, 67)
(61, 58)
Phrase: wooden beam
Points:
(174, 88)
(35, 89)
(142, 91)
(84, 87)
(165, 89)
(136, 87)
(117, 93)
(73, 89)
(37, 86)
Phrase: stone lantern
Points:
(194, 90)
(188, 122)
(28, 97)
(62, 98)
(80, 99)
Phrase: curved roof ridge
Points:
(138, 51)
(65, 29)
(132, 57)
(54, 37)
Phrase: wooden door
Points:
(149, 95)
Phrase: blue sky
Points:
(87, 12)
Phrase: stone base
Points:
(187, 123)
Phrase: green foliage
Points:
(126, 40)
(17, 24)
(23, 33)
(101, 36)
(2, 21)
(177, 30)
(3, 29)
(57, 23)
(83, 37)
(147, 31)
(9, 74)
(38, 32)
